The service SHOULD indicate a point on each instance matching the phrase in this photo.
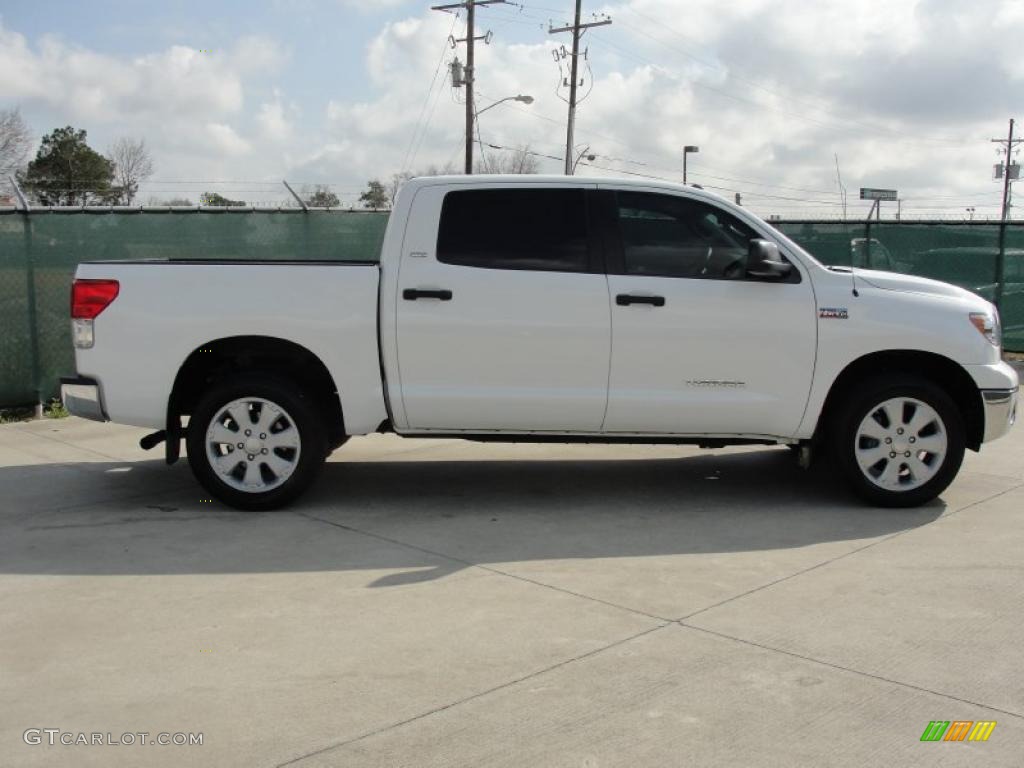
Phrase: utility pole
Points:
(1009, 143)
(577, 30)
(1008, 167)
(470, 73)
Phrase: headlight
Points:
(988, 326)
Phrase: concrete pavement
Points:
(437, 603)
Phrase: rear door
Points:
(503, 319)
(698, 346)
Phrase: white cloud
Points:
(177, 82)
(273, 119)
(226, 140)
(368, 6)
(906, 93)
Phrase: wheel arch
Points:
(940, 370)
(212, 361)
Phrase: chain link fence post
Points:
(30, 295)
(997, 297)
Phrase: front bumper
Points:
(83, 397)
(1000, 412)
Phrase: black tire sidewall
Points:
(292, 399)
(870, 395)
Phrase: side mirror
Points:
(765, 262)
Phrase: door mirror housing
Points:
(764, 261)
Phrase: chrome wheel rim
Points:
(901, 444)
(253, 445)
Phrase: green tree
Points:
(375, 197)
(214, 199)
(67, 171)
(322, 197)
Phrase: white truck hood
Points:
(894, 281)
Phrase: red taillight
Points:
(90, 297)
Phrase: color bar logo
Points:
(958, 730)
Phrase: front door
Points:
(698, 346)
(503, 320)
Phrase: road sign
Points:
(866, 193)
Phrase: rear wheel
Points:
(900, 441)
(255, 442)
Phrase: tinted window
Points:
(543, 229)
(677, 237)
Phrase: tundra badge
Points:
(834, 313)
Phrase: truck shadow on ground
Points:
(422, 520)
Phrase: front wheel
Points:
(900, 441)
(255, 442)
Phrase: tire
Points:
(925, 434)
(276, 462)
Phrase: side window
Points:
(673, 236)
(538, 229)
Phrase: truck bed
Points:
(167, 309)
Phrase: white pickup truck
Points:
(543, 309)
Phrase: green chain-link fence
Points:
(40, 250)
(984, 257)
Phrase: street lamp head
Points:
(524, 99)
(691, 148)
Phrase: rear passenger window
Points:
(541, 229)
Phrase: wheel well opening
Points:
(940, 370)
(215, 360)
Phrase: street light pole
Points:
(687, 150)
(585, 153)
(521, 97)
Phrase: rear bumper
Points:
(82, 397)
(1000, 412)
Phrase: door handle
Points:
(625, 299)
(411, 294)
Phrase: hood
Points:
(894, 281)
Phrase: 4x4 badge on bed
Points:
(834, 313)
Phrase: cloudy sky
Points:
(235, 96)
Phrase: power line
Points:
(430, 117)
(426, 99)
(753, 84)
(666, 72)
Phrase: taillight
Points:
(90, 297)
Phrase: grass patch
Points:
(13, 415)
(55, 410)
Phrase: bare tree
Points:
(398, 179)
(519, 160)
(15, 141)
(132, 164)
(448, 169)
